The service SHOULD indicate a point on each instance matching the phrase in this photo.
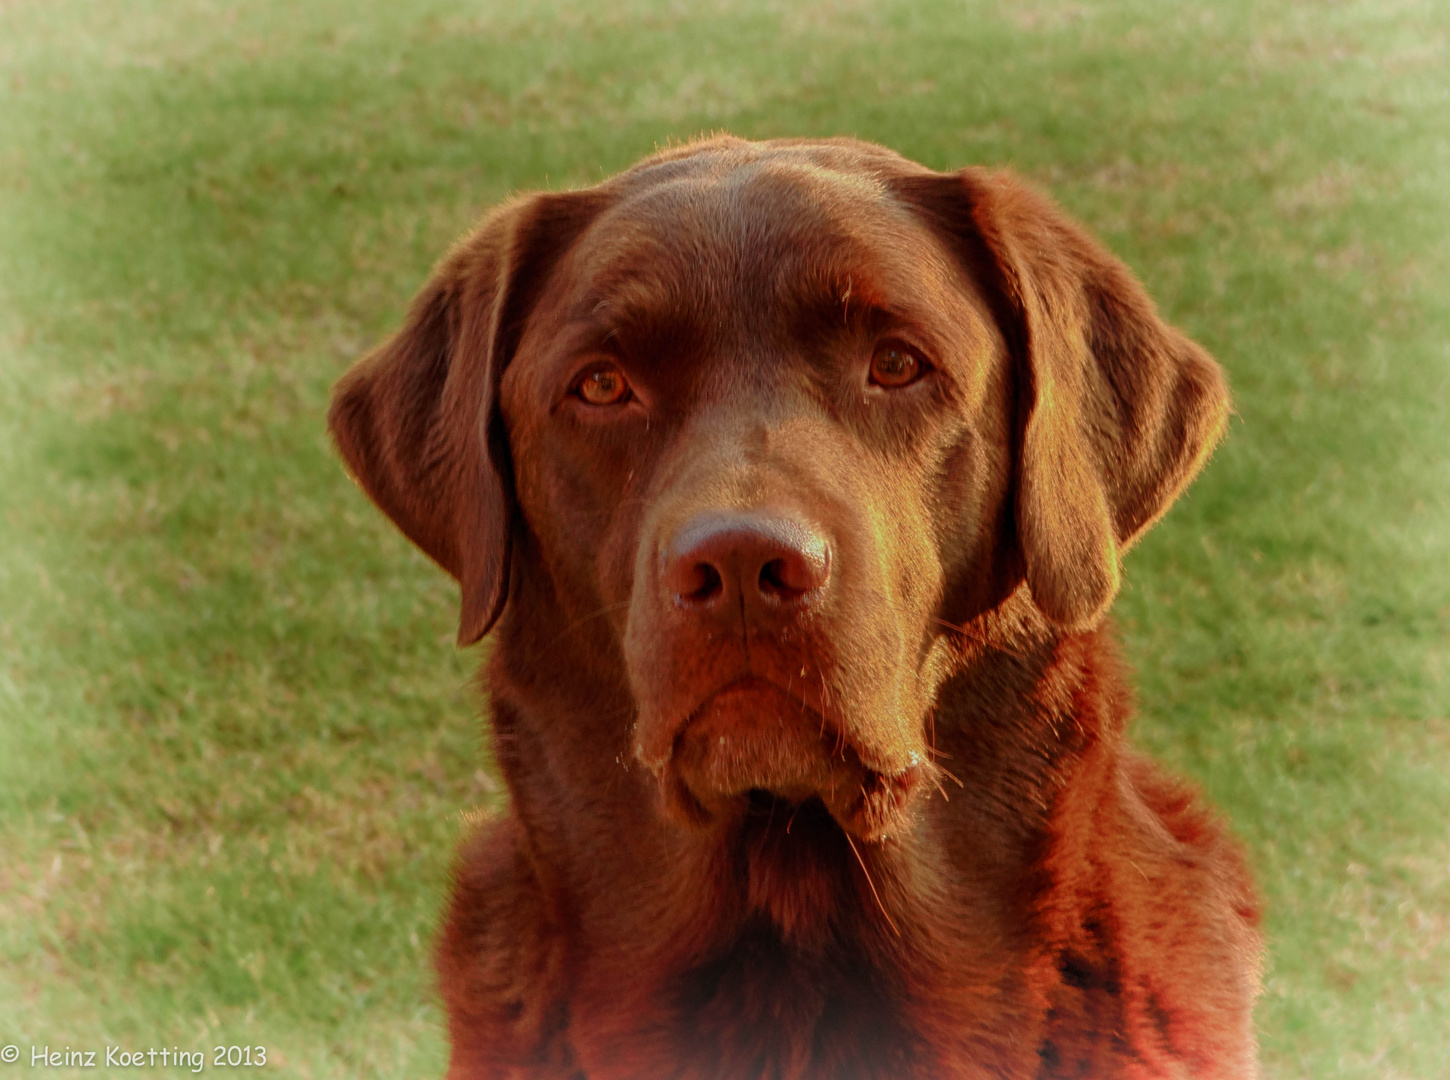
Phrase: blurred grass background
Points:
(235, 738)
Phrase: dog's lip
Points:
(835, 742)
(657, 745)
(722, 755)
(827, 767)
(829, 729)
(748, 681)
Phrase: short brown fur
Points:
(802, 690)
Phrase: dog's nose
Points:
(764, 563)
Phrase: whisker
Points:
(867, 874)
(980, 639)
(605, 610)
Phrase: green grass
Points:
(235, 738)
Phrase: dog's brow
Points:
(632, 327)
(854, 280)
(856, 299)
(630, 303)
(606, 316)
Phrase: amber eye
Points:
(603, 386)
(892, 367)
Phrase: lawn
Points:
(236, 742)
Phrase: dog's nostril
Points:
(773, 578)
(706, 581)
(695, 582)
(795, 573)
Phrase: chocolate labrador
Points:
(795, 477)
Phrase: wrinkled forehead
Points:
(762, 236)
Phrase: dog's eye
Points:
(893, 366)
(603, 386)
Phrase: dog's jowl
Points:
(793, 479)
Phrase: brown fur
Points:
(812, 726)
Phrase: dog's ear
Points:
(417, 420)
(1116, 410)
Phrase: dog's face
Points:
(760, 418)
(785, 416)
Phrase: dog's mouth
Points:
(761, 810)
(751, 752)
(762, 803)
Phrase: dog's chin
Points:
(752, 747)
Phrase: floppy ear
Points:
(417, 420)
(1116, 409)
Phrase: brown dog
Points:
(796, 476)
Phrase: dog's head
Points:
(784, 414)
